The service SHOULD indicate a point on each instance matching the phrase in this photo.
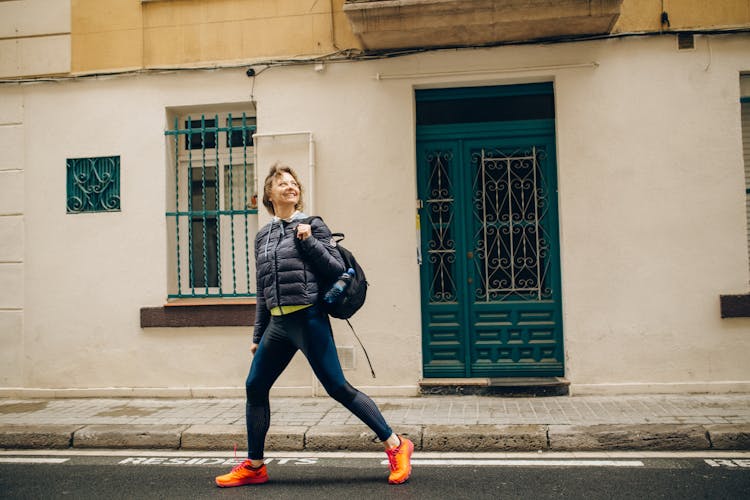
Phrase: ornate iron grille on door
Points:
(511, 243)
(441, 250)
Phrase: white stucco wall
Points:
(651, 203)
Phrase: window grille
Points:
(93, 184)
(213, 218)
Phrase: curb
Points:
(649, 437)
(128, 436)
(455, 438)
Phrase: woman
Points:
(290, 257)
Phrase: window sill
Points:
(184, 313)
(735, 306)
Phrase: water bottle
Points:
(338, 288)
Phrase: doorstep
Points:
(495, 386)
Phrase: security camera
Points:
(250, 72)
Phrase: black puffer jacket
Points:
(288, 269)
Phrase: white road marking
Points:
(421, 455)
(723, 462)
(529, 463)
(32, 460)
(186, 460)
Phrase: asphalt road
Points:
(360, 476)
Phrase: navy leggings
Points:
(308, 330)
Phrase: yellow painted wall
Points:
(164, 33)
(645, 15)
(106, 35)
(126, 34)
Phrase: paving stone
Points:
(729, 436)
(37, 436)
(627, 437)
(484, 438)
(129, 436)
(284, 438)
(213, 437)
(351, 438)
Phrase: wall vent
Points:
(685, 41)
(346, 356)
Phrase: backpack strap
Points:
(308, 220)
(363, 347)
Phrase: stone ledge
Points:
(214, 437)
(352, 438)
(735, 306)
(226, 437)
(496, 386)
(484, 438)
(37, 436)
(451, 438)
(237, 314)
(603, 437)
(389, 24)
(729, 436)
(129, 436)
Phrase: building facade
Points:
(535, 189)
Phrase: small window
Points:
(93, 184)
(204, 138)
(240, 133)
(489, 104)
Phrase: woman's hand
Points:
(253, 348)
(304, 231)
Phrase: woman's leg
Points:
(316, 342)
(272, 357)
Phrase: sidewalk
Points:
(434, 423)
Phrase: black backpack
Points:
(353, 297)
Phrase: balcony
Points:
(399, 24)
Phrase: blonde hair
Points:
(275, 171)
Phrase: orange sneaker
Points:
(243, 474)
(399, 459)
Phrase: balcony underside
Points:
(398, 24)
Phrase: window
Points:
(212, 218)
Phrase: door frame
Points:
(539, 131)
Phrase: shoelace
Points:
(239, 466)
(392, 454)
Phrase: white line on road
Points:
(549, 455)
(32, 460)
(530, 463)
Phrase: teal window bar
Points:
(214, 217)
(93, 184)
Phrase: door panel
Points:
(490, 275)
(444, 340)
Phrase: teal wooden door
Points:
(490, 274)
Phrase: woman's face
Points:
(284, 190)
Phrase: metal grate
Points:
(93, 184)
(511, 241)
(442, 249)
(346, 357)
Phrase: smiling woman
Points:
(294, 264)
